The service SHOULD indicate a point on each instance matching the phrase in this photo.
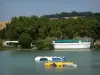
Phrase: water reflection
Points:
(41, 67)
(59, 69)
(23, 63)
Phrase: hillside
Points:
(73, 13)
(2, 25)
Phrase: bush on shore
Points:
(25, 40)
(1, 46)
(97, 46)
(44, 44)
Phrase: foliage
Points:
(44, 44)
(25, 40)
(97, 46)
(3, 34)
(73, 13)
(1, 43)
(40, 45)
(87, 24)
(95, 31)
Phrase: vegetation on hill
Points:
(73, 13)
(41, 28)
(2, 25)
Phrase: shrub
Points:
(97, 46)
(1, 43)
(45, 44)
(25, 40)
(40, 45)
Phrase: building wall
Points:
(71, 45)
(6, 43)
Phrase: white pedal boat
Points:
(70, 64)
(51, 58)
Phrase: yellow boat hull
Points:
(59, 64)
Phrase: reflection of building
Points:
(71, 44)
(10, 43)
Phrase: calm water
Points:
(22, 63)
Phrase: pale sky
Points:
(11, 8)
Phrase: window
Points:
(43, 59)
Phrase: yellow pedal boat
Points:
(60, 64)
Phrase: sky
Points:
(11, 8)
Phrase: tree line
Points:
(73, 13)
(41, 31)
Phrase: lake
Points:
(23, 63)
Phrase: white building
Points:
(10, 43)
(71, 44)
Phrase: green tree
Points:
(40, 45)
(25, 40)
(43, 27)
(95, 31)
(45, 44)
(1, 43)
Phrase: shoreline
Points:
(19, 49)
(33, 50)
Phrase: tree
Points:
(39, 28)
(95, 31)
(1, 44)
(3, 33)
(45, 44)
(25, 40)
